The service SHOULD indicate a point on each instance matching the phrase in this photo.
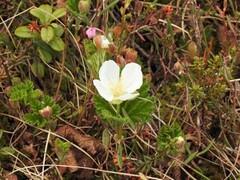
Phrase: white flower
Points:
(116, 88)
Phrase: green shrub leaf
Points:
(58, 29)
(57, 44)
(24, 32)
(47, 33)
(45, 55)
(58, 13)
(37, 69)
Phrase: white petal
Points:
(131, 77)
(128, 96)
(105, 43)
(103, 91)
(109, 74)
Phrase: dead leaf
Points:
(9, 176)
(75, 157)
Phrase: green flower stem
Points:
(118, 110)
(77, 27)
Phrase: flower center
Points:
(118, 90)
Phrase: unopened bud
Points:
(91, 32)
(117, 31)
(101, 41)
(180, 141)
(131, 55)
(178, 68)
(46, 112)
(121, 61)
(192, 49)
(84, 6)
(112, 49)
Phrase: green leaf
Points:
(62, 149)
(106, 111)
(106, 138)
(24, 32)
(141, 108)
(57, 44)
(73, 8)
(37, 69)
(119, 155)
(167, 138)
(47, 48)
(58, 29)
(1, 133)
(44, 13)
(73, 5)
(47, 10)
(35, 119)
(95, 61)
(44, 55)
(6, 41)
(58, 13)
(47, 33)
(6, 151)
(37, 105)
(40, 14)
(89, 47)
(24, 91)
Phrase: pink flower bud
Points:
(91, 32)
(46, 112)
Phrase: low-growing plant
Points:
(46, 35)
(43, 109)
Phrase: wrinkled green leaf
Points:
(24, 32)
(35, 119)
(38, 69)
(140, 109)
(24, 91)
(106, 111)
(89, 47)
(47, 33)
(95, 61)
(45, 55)
(62, 149)
(58, 13)
(167, 138)
(57, 44)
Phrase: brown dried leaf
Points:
(75, 157)
(9, 177)
(91, 145)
